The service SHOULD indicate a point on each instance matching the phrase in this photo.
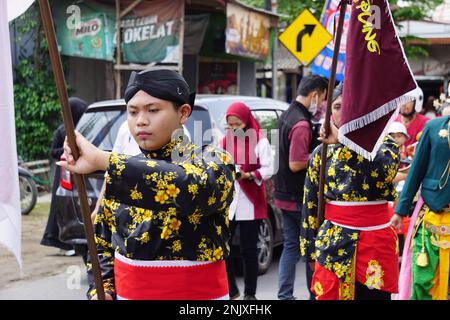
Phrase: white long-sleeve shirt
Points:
(125, 143)
(242, 209)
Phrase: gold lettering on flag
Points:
(367, 29)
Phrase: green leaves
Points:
(37, 107)
(36, 101)
(37, 110)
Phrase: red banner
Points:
(377, 77)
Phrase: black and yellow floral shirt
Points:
(171, 204)
(348, 177)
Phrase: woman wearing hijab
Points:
(51, 234)
(253, 158)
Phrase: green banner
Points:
(150, 32)
(84, 29)
(146, 40)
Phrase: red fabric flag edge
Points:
(377, 114)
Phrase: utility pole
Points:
(271, 5)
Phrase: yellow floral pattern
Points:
(318, 289)
(349, 177)
(156, 208)
(374, 275)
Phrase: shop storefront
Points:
(215, 44)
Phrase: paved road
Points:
(72, 285)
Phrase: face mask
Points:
(237, 132)
(313, 107)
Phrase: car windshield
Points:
(197, 124)
(218, 109)
(101, 127)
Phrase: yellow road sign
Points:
(305, 37)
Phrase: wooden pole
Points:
(181, 43)
(337, 44)
(60, 81)
(128, 9)
(118, 51)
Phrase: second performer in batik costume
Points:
(355, 249)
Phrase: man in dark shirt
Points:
(295, 146)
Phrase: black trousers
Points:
(249, 251)
(51, 233)
(364, 293)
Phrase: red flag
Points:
(377, 77)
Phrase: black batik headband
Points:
(162, 84)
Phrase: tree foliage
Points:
(37, 109)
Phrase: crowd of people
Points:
(163, 226)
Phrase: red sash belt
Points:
(358, 215)
(170, 280)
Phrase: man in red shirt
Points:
(411, 118)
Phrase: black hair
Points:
(176, 105)
(312, 83)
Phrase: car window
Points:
(101, 127)
(268, 121)
(279, 112)
(199, 115)
(218, 110)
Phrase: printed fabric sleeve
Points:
(103, 226)
(385, 165)
(309, 224)
(204, 183)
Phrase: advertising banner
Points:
(84, 29)
(247, 32)
(151, 32)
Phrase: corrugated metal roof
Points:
(285, 59)
(425, 29)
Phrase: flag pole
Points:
(337, 44)
(60, 81)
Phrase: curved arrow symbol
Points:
(309, 28)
